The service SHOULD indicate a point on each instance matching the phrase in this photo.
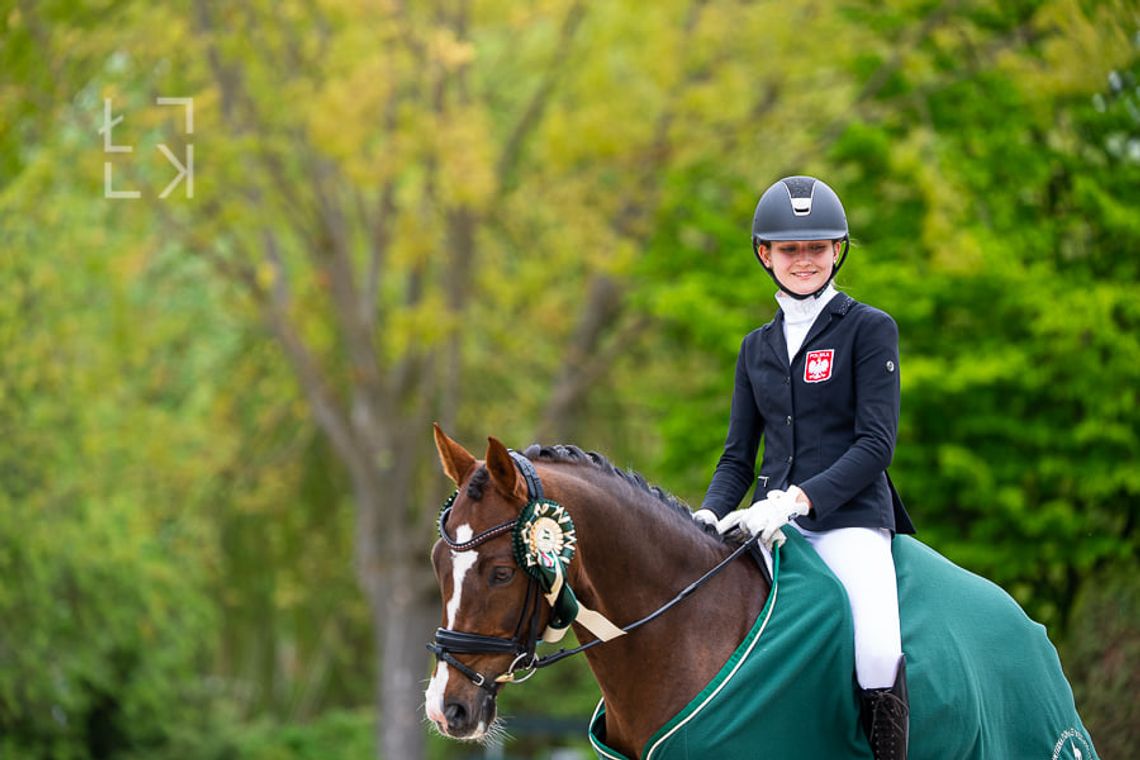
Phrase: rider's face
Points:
(801, 266)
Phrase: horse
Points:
(535, 542)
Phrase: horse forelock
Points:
(477, 482)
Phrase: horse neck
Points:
(637, 554)
(634, 555)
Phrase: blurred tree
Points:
(104, 463)
(531, 220)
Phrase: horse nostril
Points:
(455, 713)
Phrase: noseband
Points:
(524, 643)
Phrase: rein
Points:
(448, 642)
(562, 654)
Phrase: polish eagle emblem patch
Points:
(818, 364)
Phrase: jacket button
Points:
(790, 457)
(787, 380)
(788, 421)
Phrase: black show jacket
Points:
(828, 419)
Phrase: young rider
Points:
(820, 384)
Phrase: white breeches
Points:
(861, 559)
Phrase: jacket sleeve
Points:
(737, 465)
(876, 419)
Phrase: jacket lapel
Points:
(774, 337)
(836, 307)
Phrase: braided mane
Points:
(569, 454)
(573, 455)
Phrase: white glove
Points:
(705, 517)
(766, 517)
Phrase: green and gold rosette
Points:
(544, 545)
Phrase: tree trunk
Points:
(396, 576)
(402, 621)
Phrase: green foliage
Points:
(221, 735)
(104, 598)
(336, 735)
(104, 636)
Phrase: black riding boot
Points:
(886, 717)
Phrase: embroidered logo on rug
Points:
(1070, 746)
(817, 365)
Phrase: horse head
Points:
(491, 611)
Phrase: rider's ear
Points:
(504, 474)
(764, 253)
(457, 461)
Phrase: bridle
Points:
(523, 644)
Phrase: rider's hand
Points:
(705, 517)
(767, 516)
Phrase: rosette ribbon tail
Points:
(567, 610)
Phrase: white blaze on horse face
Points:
(461, 564)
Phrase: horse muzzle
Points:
(462, 717)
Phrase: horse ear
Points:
(504, 474)
(457, 461)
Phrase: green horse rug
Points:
(985, 682)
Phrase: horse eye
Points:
(502, 575)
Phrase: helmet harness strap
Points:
(802, 296)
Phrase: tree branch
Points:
(580, 377)
(317, 389)
(379, 233)
(887, 69)
(605, 299)
(532, 115)
(275, 302)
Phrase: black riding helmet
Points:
(799, 208)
